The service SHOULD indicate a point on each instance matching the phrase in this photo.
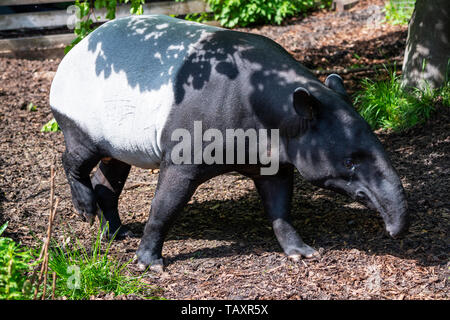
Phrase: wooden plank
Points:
(25, 2)
(42, 47)
(61, 18)
(32, 43)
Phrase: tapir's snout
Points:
(395, 214)
(398, 233)
(388, 198)
(399, 228)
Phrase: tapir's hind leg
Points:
(108, 182)
(78, 161)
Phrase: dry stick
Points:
(52, 196)
(53, 285)
(33, 276)
(44, 251)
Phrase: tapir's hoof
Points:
(88, 217)
(307, 252)
(141, 267)
(298, 257)
(123, 233)
(312, 255)
(155, 266)
(119, 233)
(295, 257)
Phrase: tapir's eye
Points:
(349, 164)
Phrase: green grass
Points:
(387, 104)
(80, 272)
(84, 272)
(399, 11)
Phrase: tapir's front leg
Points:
(176, 185)
(276, 194)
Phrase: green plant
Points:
(232, 13)
(51, 126)
(15, 263)
(387, 104)
(85, 10)
(31, 107)
(82, 273)
(399, 11)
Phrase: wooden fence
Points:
(58, 18)
(61, 18)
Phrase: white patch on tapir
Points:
(125, 120)
(121, 119)
(176, 47)
(140, 31)
(117, 83)
(162, 26)
(158, 56)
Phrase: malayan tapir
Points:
(121, 93)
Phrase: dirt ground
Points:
(222, 246)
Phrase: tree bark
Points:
(427, 54)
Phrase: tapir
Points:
(122, 92)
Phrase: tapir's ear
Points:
(305, 106)
(335, 82)
(304, 103)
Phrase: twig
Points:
(33, 277)
(53, 285)
(44, 250)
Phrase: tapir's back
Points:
(121, 83)
(117, 85)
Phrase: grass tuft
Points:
(387, 104)
(399, 11)
(83, 273)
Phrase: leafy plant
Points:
(232, 13)
(399, 11)
(15, 263)
(85, 11)
(51, 126)
(387, 104)
(31, 107)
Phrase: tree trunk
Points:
(427, 51)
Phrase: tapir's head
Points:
(333, 147)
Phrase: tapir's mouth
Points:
(363, 197)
